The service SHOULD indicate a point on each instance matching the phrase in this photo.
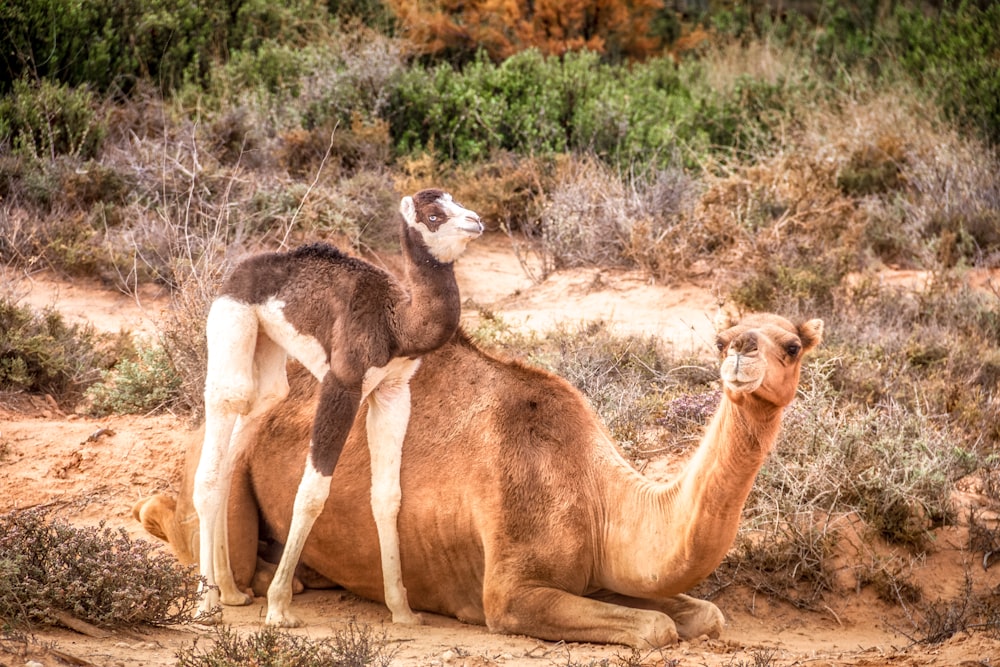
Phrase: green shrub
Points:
(46, 119)
(97, 575)
(953, 53)
(40, 353)
(111, 44)
(141, 385)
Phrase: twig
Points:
(319, 170)
(83, 627)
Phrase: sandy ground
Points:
(91, 470)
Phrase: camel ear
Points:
(811, 333)
(409, 210)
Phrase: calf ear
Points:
(811, 333)
(409, 210)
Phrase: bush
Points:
(40, 353)
(101, 576)
(355, 646)
(138, 385)
(48, 119)
(535, 105)
(953, 54)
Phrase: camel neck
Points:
(686, 527)
(714, 486)
(431, 314)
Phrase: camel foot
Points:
(236, 598)
(695, 617)
(407, 618)
(277, 618)
(209, 615)
(654, 630)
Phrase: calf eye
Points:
(433, 218)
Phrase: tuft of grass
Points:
(354, 646)
(892, 580)
(49, 568)
(759, 657)
(790, 560)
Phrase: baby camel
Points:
(360, 333)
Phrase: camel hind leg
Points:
(388, 417)
(244, 377)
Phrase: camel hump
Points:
(155, 514)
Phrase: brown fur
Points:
(518, 512)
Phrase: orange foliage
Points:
(445, 28)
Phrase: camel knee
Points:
(208, 494)
(385, 499)
(233, 395)
(314, 489)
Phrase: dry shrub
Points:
(236, 137)
(586, 218)
(791, 560)
(354, 646)
(892, 579)
(939, 620)
(664, 224)
(338, 151)
(51, 569)
(874, 168)
(507, 191)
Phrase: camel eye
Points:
(793, 349)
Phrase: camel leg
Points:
(245, 377)
(271, 387)
(556, 615)
(335, 414)
(693, 617)
(388, 417)
(231, 330)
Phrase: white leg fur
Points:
(309, 500)
(388, 417)
(245, 376)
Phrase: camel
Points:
(518, 510)
(360, 332)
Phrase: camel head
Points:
(444, 226)
(762, 356)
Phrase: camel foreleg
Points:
(557, 615)
(310, 498)
(693, 617)
(388, 417)
(338, 405)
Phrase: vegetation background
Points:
(786, 153)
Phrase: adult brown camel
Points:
(518, 510)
